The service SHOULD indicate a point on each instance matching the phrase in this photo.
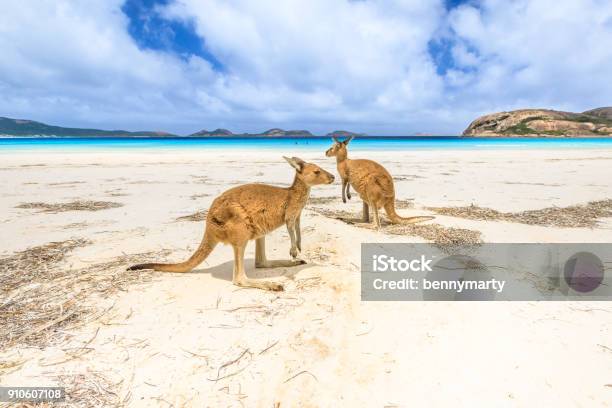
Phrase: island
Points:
(30, 128)
(214, 133)
(543, 123)
(344, 133)
(275, 132)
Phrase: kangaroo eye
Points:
(317, 172)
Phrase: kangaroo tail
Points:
(396, 219)
(206, 246)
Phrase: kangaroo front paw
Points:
(293, 252)
(344, 200)
(348, 195)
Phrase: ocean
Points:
(382, 143)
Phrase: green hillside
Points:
(20, 127)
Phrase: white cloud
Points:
(74, 62)
(314, 64)
(320, 61)
(547, 53)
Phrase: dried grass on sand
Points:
(91, 389)
(576, 216)
(399, 204)
(323, 200)
(442, 237)
(38, 297)
(42, 300)
(71, 206)
(195, 217)
(404, 204)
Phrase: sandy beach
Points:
(145, 339)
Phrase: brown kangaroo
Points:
(372, 182)
(250, 212)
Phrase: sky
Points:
(382, 67)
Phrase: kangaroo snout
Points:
(331, 178)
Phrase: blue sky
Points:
(380, 67)
(150, 31)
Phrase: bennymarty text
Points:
(423, 264)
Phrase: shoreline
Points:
(276, 153)
(257, 150)
(234, 145)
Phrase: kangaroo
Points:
(371, 181)
(249, 212)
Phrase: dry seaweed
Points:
(65, 183)
(42, 301)
(76, 225)
(27, 282)
(117, 192)
(71, 206)
(200, 179)
(39, 297)
(195, 217)
(90, 389)
(197, 196)
(404, 204)
(399, 204)
(323, 200)
(442, 237)
(406, 177)
(575, 216)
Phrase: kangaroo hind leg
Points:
(239, 276)
(262, 262)
(372, 201)
(376, 216)
(366, 213)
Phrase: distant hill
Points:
(275, 132)
(21, 127)
(605, 113)
(216, 132)
(543, 122)
(343, 133)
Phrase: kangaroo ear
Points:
(346, 141)
(299, 161)
(295, 162)
(335, 139)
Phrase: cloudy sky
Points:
(391, 67)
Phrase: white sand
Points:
(165, 341)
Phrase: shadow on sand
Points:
(225, 270)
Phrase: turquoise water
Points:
(8, 145)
